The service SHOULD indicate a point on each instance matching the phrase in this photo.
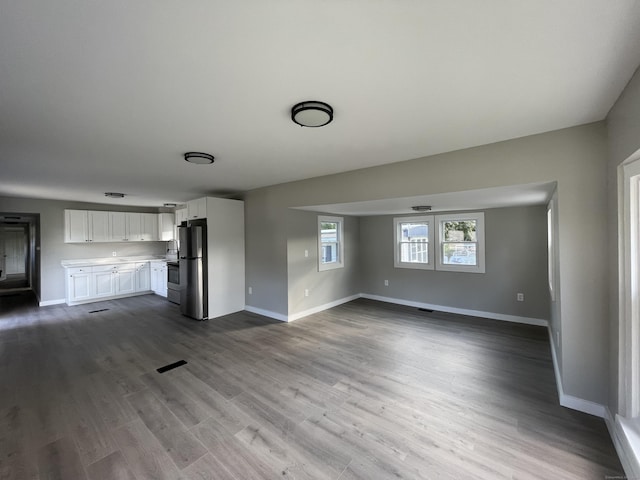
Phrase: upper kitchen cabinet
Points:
(197, 208)
(133, 226)
(166, 226)
(181, 216)
(86, 226)
(149, 227)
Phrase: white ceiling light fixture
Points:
(114, 195)
(199, 158)
(312, 113)
(421, 208)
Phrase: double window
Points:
(459, 246)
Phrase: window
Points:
(330, 243)
(460, 242)
(414, 240)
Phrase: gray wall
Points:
(623, 129)
(516, 261)
(325, 286)
(52, 246)
(575, 158)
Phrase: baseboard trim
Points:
(620, 435)
(569, 401)
(320, 308)
(461, 311)
(46, 303)
(266, 313)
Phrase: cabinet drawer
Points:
(102, 268)
(124, 266)
(76, 270)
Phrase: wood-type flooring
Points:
(366, 390)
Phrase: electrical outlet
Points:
(386, 283)
(306, 254)
(113, 253)
(306, 292)
(520, 297)
(250, 290)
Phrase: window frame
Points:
(397, 241)
(340, 242)
(480, 242)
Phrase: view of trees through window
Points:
(329, 239)
(414, 242)
(459, 242)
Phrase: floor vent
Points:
(425, 310)
(101, 310)
(171, 366)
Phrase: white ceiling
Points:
(100, 96)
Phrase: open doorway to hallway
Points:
(18, 252)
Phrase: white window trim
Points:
(428, 219)
(629, 275)
(340, 234)
(456, 217)
(551, 249)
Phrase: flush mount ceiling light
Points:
(421, 208)
(198, 158)
(170, 205)
(114, 195)
(312, 113)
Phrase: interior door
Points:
(15, 251)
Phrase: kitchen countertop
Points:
(88, 262)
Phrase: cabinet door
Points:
(149, 227)
(143, 277)
(98, 226)
(134, 226)
(79, 285)
(162, 280)
(197, 208)
(103, 283)
(118, 226)
(125, 281)
(166, 226)
(76, 226)
(154, 279)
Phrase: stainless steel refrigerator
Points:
(193, 270)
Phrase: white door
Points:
(103, 284)
(134, 226)
(99, 226)
(143, 279)
(79, 286)
(76, 226)
(15, 251)
(117, 226)
(125, 282)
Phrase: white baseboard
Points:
(266, 313)
(323, 307)
(626, 443)
(46, 303)
(461, 311)
(569, 401)
(299, 315)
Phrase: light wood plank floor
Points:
(366, 390)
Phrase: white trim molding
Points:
(626, 440)
(266, 313)
(461, 311)
(569, 401)
(320, 308)
(46, 303)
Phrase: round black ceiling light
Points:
(199, 158)
(312, 113)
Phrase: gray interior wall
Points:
(623, 130)
(575, 158)
(515, 257)
(52, 246)
(326, 286)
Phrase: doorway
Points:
(18, 248)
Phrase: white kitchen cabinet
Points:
(166, 227)
(101, 282)
(143, 277)
(158, 278)
(197, 208)
(149, 227)
(102, 279)
(182, 215)
(125, 279)
(79, 284)
(133, 226)
(86, 226)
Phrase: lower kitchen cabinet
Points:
(102, 282)
(158, 278)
